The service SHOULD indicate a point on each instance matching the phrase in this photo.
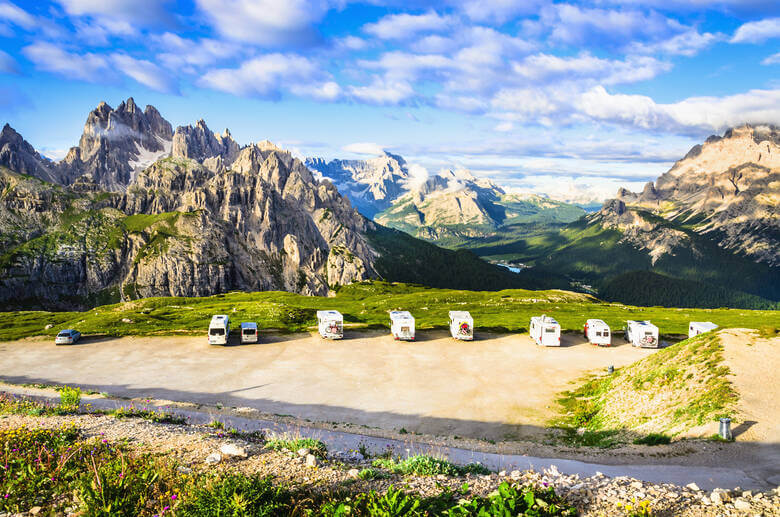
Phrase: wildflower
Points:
(173, 497)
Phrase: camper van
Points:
(700, 327)
(402, 325)
(219, 330)
(597, 333)
(249, 332)
(461, 325)
(331, 324)
(642, 334)
(545, 331)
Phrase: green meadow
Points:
(365, 305)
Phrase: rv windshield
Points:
(217, 332)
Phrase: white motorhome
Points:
(461, 325)
(402, 325)
(700, 327)
(545, 331)
(219, 330)
(330, 324)
(598, 333)
(249, 332)
(642, 334)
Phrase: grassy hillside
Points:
(648, 288)
(366, 305)
(593, 255)
(407, 259)
(670, 392)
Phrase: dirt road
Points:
(496, 387)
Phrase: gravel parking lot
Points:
(496, 387)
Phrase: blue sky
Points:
(568, 98)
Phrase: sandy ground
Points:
(755, 368)
(496, 387)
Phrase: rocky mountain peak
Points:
(732, 184)
(17, 154)
(200, 143)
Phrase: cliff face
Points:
(210, 219)
(727, 189)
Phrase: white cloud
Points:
(97, 68)
(187, 55)
(757, 32)
(774, 59)
(137, 10)
(383, 91)
(365, 148)
(269, 75)
(688, 43)
(145, 72)
(703, 113)
(504, 126)
(267, 23)
(7, 64)
(546, 68)
(404, 25)
(51, 58)
(16, 15)
(498, 10)
(573, 25)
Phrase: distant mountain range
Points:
(139, 209)
(445, 208)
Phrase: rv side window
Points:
(217, 332)
(598, 333)
(648, 333)
(606, 333)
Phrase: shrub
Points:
(511, 500)
(236, 495)
(294, 444)
(424, 465)
(653, 439)
(159, 417)
(70, 398)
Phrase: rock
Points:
(353, 473)
(441, 477)
(184, 470)
(213, 458)
(35, 510)
(127, 320)
(741, 504)
(515, 474)
(303, 452)
(47, 327)
(636, 484)
(232, 450)
(502, 473)
(719, 497)
(692, 486)
(311, 460)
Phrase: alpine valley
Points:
(705, 234)
(141, 209)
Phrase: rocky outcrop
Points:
(727, 189)
(200, 143)
(180, 229)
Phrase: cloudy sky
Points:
(569, 98)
